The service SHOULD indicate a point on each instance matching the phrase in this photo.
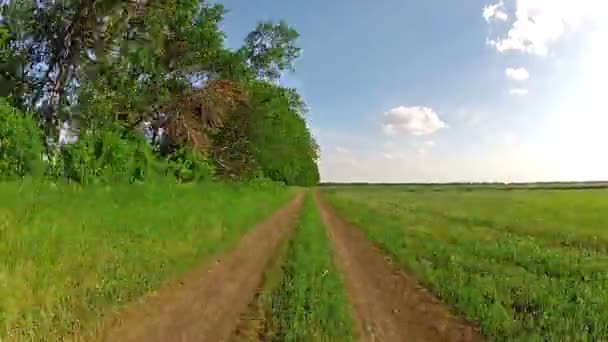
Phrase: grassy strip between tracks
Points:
(309, 302)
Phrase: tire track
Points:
(206, 303)
(387, 304)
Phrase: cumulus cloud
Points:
(518, 91)
(495, 12)
(538, 24)
(416, 121)
(519, 74)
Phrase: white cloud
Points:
(538, 24)
(416, 121)
(495, 12)
(519, 74)
(509, 138)
(389, 144)
(338, 158)
(518, 91)
(394, 156)
(512, 157)
(411, 164)
(342, 150)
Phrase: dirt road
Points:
(387, 304)
(205, 304)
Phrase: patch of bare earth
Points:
(254, 323)
(387, 303)
(205, 304)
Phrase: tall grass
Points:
(69, 256)
(309, 302)
(525, 265)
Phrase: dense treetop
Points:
(117, 90)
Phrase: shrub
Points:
(188, 166)
(80, 159)
(108, 157)
(20, 143)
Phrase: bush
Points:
(143, 162)
(188, 166)
(20, 143)
(80, 159)
(107, 157)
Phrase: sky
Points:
(448, 91)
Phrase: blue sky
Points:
(435, 91)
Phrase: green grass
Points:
(70, 256)
(308, 303)
(526, 265)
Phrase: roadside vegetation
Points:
(525, 265)
(133, 145)
(123, 91)
(307, 302)
(72, 256)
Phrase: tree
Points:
(270, 49)
(111, 70)
(269, 136)
(20, 145)
(51, 40)
(179, 84)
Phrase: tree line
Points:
(113, 90)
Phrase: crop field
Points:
(522, 264)
(69, 256)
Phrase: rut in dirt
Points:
(205, 304)
(387, 304)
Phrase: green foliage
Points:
(20, 144)
(72, 256)
(156, 67)
(80, 159)
(143, 164)
(309, 303)
(3, 40)
(14, 81)
(271, 49)
(526, 265)
(189, 166)
(308, 174)
(282, 143)
(55, 165)
(106, 156)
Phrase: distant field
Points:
(525, 265)
(474, 186)
(69, 256)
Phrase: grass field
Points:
(69, 256)
(524, 264)
(308, 302)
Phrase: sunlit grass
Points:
(526, 265)
(69, 256)
(308, 303)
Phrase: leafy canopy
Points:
(135, 82)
